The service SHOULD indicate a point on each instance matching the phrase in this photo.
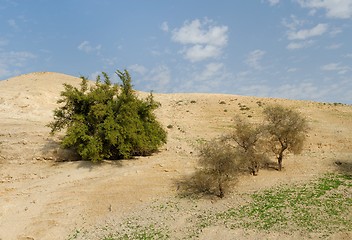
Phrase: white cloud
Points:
(273, 2)
(301, 38)
(290, 70)
(195, 33)
(140, 69)
(293, 24)
(3, 42)
(158, 78)
(299, 45)
(201, 52)
(304, 90)
(11, 61)
(308, 33)
(254, 58)
(86, 47)
(202, 40)
(334, 46)
(12, 23)
(164, 27)
(335, 31)
(211, 70)
(109, 61)
(337, 67)
(155, 79)
(334, 8)
(93, 76)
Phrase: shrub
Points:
(247, 142)
(286, 130)
(218, 168)
(108, 121)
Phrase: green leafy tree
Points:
(108, 121)
(286, 130)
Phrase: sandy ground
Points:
(44, 197)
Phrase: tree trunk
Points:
(221, 190)
(279, 160)
(281, 156)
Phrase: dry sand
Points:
(42, 197)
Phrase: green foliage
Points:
(286, 130)
(107, 121)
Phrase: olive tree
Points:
(286, 129)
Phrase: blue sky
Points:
(296, 49)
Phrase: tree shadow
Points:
(54, 152)
(90, 165)
(268, 164)
(343, 166)
(202, 186)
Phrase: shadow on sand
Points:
(343, 166)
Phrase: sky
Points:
(295, 49)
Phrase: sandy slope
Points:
(41, 198)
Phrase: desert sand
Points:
(46, 194)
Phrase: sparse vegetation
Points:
(247, 144)
(243, 107)
(107, 121)
(133, 230)
(286, 130)
(217, 170)
(316, 209)
(260, 103)
(322, 206)
(245, 148)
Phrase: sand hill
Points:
(43, 197)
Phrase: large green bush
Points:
(108, 121)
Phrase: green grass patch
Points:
(322, 206)
(138, 232)
(316, 209)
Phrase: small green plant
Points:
(107, 121)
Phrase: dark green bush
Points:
(108, 121)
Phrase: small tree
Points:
(107, 121)
(247, 143)
(286, 130)
(218, 168)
